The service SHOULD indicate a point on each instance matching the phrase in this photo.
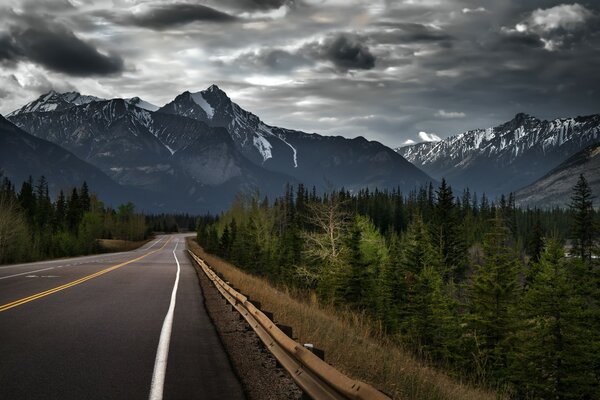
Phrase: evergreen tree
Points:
(73, 211)
(447, 234)
(28, 201)
(84, 198)
(554, 352)
(60, 213)
(493, 292)
(583, 229)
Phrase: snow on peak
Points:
(199, 99)
(53, 101)
(429, 137)
(136, 101)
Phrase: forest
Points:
(494, 294)
(35, 227)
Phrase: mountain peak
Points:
(55, 101)
(138, 102)
(214, 88)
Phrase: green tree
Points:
(583, 228)
(447, 235)
(492, 293)
(554, 346)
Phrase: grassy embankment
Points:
(349, 340)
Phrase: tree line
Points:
(493, 293)
(34, 227)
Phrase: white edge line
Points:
(162, 353)
(153, 244)
(28, 272)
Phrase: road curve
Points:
(128, 325)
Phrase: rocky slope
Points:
(555, 188)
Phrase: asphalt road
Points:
(128, 325)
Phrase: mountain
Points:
(555, 188)
(187, 165)
(205, 148)
(54, 101)
(23, 155)
(322, 161)
(507, 157)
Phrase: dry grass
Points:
(349, 341)
(116, 245)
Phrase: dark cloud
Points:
(251, 5)
(166, 16)
(410, 32)
(56, 48)
(345, 51)
(520, 41)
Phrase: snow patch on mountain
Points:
(54, 101)
(263, 146)
(136, 101)
(201, 101)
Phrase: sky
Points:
(396, 71)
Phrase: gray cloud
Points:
(56, 48)
(410, 32)
(166, 16)
(345, 51)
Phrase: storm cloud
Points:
(166, 16)
(58, 49)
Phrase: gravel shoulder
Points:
(254, 365)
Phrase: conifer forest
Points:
(495, 294)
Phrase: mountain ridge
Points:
(507, 157)
(203, 142)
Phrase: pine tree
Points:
(84, 198)
(43, 208)
(356, 287)
(60, 213)
(583, 229)
(554, 346)
(73, 211)
(28, 201)
(492, 293)
(447, 234)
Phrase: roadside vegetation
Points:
(427, 294)
(33, 227)
(354, 343)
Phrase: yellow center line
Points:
(24, 300)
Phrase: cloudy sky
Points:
(389, 70)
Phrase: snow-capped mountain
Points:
(54, 101)
(317, 160)
(206, 148)
(160, 153)
(507, 157)
(556, 187)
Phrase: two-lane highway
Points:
(130, 325)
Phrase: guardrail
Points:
(315, 377)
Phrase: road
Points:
(128, 325)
